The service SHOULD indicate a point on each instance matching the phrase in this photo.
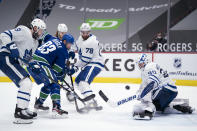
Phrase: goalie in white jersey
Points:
(17, 43)
(157, 92)
(90, 61)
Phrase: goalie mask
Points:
(142, 61)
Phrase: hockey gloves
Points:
(60, 76)
(28, 56)
(14, 53)
(71, 54)
(72, 70)
(35, 67)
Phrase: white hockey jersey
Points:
(153, 72)
(89, 52)
(22, 37)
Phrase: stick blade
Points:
(103, 96)
(88, 98)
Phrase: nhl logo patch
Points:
(177, 63)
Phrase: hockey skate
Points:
(70, 96)
(39, 106)
(22, 116)
(182, 105)
(145, 115)
(93, 105)
(31, 113)
(184, 108)
(57, 112)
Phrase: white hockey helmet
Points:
(85, 27)
(142, 61)
(62, 28)
(40, 24)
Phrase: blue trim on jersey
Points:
(23, 98)
(174, 87)
(24, 93)
(86, 92)
(155, 77)
(84, 61)
(154, 80)
(147, 89)
(98, 63)
(86, 57)
(3, 47)
(10, 35)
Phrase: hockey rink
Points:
(109, 119)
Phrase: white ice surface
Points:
(109, 119)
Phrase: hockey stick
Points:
(79, 110)
(116, 103)
(82, 110)
(76, 96)
(73, 92)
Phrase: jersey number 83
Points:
(47, 47)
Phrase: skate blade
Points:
(40, 111)
(137, 117)
(22, 121)
(55, 115)
(83, 111)
(98, 108)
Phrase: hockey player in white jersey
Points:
(62, 29)
(90, 61)
(157, 91)
(17, 43)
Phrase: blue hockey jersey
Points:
(52, 53)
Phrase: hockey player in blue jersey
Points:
(62, 29)
(157, 91)
(50, 63)
(90, 61)
(20, 42)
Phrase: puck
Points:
(127, 87)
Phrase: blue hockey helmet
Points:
(69, 38)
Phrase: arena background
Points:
(125, 28)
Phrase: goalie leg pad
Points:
(144, 111)
(163, 98)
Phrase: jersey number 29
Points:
(47, 47)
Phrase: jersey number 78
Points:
(90, 50)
